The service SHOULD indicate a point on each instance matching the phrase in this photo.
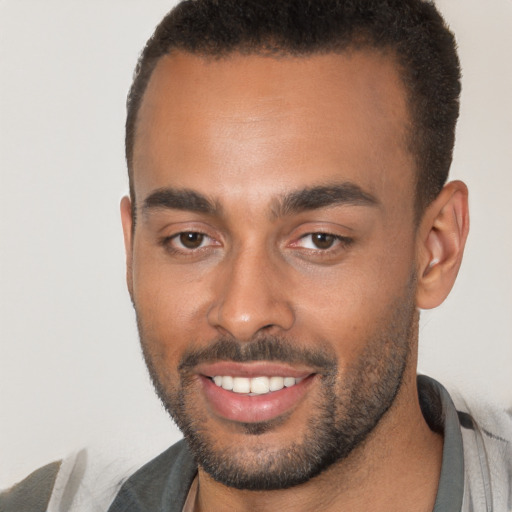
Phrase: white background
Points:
(71, 373)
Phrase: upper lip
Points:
(252, 369)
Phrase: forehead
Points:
(239, 122)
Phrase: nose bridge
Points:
(250, 296)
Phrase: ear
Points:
(127, 222)
(440, 244)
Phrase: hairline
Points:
(357, 44)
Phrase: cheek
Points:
(169, 305)
(350, 305)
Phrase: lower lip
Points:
(253, 409)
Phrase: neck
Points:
(396, 468)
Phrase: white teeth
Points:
(260, 385)
(227, 383)
(288, 382)
(276, 383)
(255, 385)
(241, 385)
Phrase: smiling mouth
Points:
(253, 393)
(253, 386)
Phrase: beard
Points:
(349, 403)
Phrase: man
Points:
(288, 217)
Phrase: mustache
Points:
(268, 348)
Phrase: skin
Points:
(244, 132)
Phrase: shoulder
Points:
(483, 430)
(49, 488)
(161, 484)
(33, 493)
(86, 481)
(487, 440)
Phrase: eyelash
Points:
(339, 242)
(166, 242)
(342, 242)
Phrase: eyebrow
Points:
(311, 198)
(180, 199)
(323, 196)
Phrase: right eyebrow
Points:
(179, 199)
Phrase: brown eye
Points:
(323, 240)
(191, 240)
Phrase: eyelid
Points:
(169, 242)
(341, 232)
(340, 240)
(177, 226)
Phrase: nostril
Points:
(243, 315)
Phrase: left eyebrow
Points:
(323, 196)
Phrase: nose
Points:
(250, 297)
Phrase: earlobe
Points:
(127, 220)
(441, 239)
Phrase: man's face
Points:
(272, 263)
